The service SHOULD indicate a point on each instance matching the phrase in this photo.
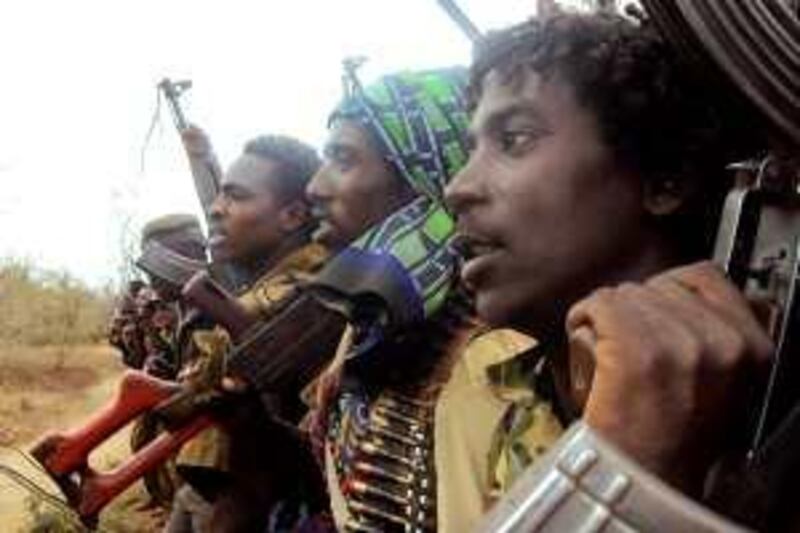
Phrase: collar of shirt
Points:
(505, 361)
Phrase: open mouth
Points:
(472, 247)
(319, 212)
(478, 255)
(216, 238)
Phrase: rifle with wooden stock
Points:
(274, 357)
(205, 169)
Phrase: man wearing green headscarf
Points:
(405, 414)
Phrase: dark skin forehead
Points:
(251, 174)
(349, 139)
(527, 99)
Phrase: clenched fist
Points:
(675, 360)
(196, 141)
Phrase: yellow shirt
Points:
(476, 449)
(470, 429)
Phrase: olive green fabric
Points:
(489, 425)
(204, 460)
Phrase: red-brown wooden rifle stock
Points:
(273, 357)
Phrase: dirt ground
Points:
(45, 389)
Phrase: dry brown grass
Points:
(54, 388)
(40, 386)
(42, 307)
(55, 370)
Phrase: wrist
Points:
(655, 450)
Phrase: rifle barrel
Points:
(462, 20)
(172, 91)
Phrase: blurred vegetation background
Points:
(41, 307)
(56, 367)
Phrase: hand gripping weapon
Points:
(274, 357)
(585, 484)
(205, 170)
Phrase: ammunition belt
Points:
(383, 453)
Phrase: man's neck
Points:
(545, 320)
(652, 261)
(258, 267)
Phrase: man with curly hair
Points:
(404, 414)
(597, 176)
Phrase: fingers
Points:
(694, 306)
(196, 141)
(703, 291)
(233, 384)
(642, 332)
(582, 342)
(674, 360)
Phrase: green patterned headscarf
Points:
(418, 121)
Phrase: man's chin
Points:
(220, 253)
(327, 236)
(504, 309)
(492, 308)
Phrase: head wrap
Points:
(418, 121)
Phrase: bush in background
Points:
(43, 307)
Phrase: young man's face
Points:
(355, 187)
(545, 212)
(249, 218)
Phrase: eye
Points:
(515, 141)
(236, 194)
(340, 157)
(343, 162)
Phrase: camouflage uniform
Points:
(234, 466)
(173, 249)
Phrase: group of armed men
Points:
(552, 206)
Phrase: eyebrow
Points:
(228, 187)
(338, 146)
(502, 115)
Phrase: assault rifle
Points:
(133, 330)
(583, 482)
(464, 23)
(274, 357)
(206, 171)
(205, 168)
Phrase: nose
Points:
(218, 206)
(465, 189)
(319, 188)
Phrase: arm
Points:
(205, 168)
(273, 358)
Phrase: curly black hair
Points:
(658, 116)
(297, 160)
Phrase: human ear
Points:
(664, 196)
(294, 216)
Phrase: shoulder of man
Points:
(266, 296)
